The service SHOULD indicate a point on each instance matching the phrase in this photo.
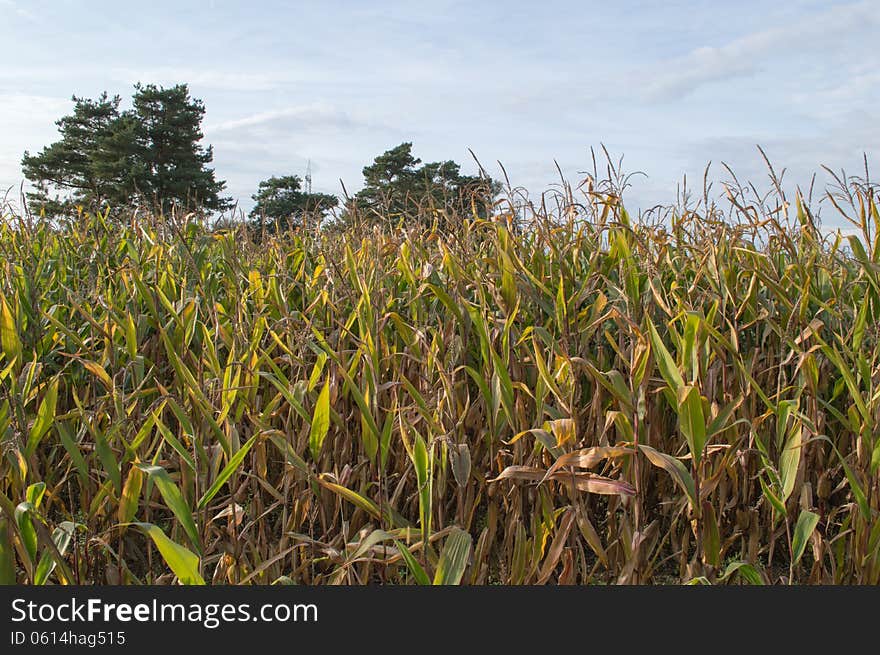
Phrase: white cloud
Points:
(18, 9)
(746, 55)
(839, 95)
(316, 114)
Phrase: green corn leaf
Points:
(131, 490)
(351, 496)
(454, 558)
(745, 570)
(692, 420)
(691, 361)
(676, 469)
(803, 530)
(228, 470)
(774, 500)
(317, 369)
(61, 536)
(182, 561)
(385, 440)
(506, 386)
(73, 450)
(9, 339)
(45, 418)
(665, 362)
(290, 455)
(414, 567)
(789, 462)
(784, 410)
(720, 423)
(320, 421)
(421, 463)
(174, 499)
(174, 442)
(108, 459)
(34, 494)
(26, 529)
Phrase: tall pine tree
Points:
(150, 154)
(172, 163)
(69, 171)
(398, 188)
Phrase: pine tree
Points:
(71, 166)
(396, 187)
(149, 154)
(282, 203)
(172, 164)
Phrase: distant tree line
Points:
(151, 156)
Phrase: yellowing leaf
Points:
(803, 530)
(45, 418)
(454, 558)
(320, 421)
(182, 561)
(10, 343)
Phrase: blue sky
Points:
(669, 85)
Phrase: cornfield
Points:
(559, 394)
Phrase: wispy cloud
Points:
(282, 141)
(312, 115)
(18, 9)
(746, 55)
(860, 87)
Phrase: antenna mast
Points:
(309, 178)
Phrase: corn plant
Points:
(558, 394)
